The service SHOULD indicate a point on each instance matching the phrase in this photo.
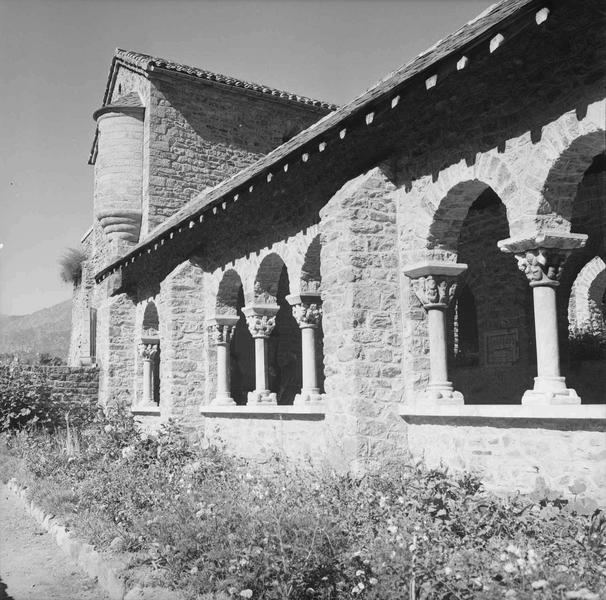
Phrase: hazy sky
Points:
(55, 57)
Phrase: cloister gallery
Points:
(417, 273)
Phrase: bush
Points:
(208, 524)
(70, 266)
(26, 399)
(586, 345)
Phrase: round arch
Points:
(267, 279)
(227, 295)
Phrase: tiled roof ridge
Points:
(147, 63)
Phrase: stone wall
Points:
(80, 384)
(554, 459)
(362, 318)
(200, 134)
(115, 347)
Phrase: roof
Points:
(145, 64)
(425, 65)
(148, 64)
(131, 100)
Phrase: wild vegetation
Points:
(190, 517)
(70, 265)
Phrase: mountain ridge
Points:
(45, 331)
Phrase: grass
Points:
(215, 527)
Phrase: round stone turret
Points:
(119, 171)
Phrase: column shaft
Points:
(223, 370)
(546, 330)
(308, 348)
(438, 357)
(147, 381)
(261, 379)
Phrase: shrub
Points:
(214, 526)
(70, 266)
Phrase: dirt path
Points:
(32, 567)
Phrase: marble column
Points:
(541, 258)
(221, 329)
(307, 311)
(148, 350)
(261, 320)
(434, 283)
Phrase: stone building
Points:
(419, 272)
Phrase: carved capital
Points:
(221, 334)
(541, 256)
(435, 290)
(542, 266)
(261, 319)
(148, 351)
(260, 326)
(306, 309)
(435, 283)
(221, 328)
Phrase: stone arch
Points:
(229, 290)
(560, 185)
(585, 309)
(267, 279)
(445, 228)
(149, 350)
(311, 277)
(151, 321)
(441, 206)
(558, 163)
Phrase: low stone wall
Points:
(553, 458)
(73, 383)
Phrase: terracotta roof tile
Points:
(148, 63)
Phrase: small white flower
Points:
(246, 594)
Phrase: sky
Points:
(55, 61)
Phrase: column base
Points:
(307, 397)
(223, 401)
(262, 397)
(443, 392)
(550, 390)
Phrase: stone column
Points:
(221, 328)
(307, 311)
(541, 258)
(261, 320)
(148, 350)
(434, 283)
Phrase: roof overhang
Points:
(495, 26)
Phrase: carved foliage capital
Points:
(542, 265)
(307, 315)
(435, 289)
(148, 351)
(221, 333)
(260, 326)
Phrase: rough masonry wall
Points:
(554, 461)
(182, 344)
(77, 384)
(115, 348)
(362, 320)
(200, 134)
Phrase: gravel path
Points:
(32, 567)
